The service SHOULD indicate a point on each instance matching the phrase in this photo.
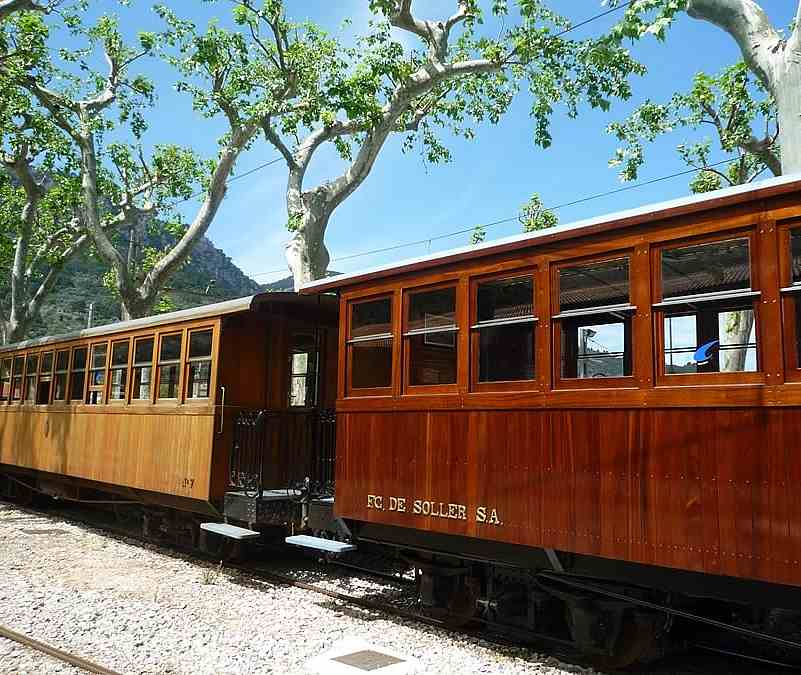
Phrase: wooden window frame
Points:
(186, 361)
(532, 384)
(788, 294)
(37, 356)
(7, 358)
(407, 388)
(694, 379)
(557, 316)
(177, 400)
(42, 355)
(17, 356)
(89, 370)
(70, 399)
(110, 369)
(364, 392)
(56, 373)
(151, 399)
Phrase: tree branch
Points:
(750, 27)
(794, 43)
(9, 7)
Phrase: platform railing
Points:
(274, 449)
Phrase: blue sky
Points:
(403, 199)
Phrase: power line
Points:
(502, 221)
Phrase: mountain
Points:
(209, 276)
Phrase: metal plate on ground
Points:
(357, 657)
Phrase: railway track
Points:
(706, 659)
(55, 652)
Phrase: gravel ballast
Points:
(135, 609)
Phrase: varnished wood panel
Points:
(709, 491)
(157, 452)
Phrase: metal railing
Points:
(277, 449)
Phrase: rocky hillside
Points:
(209, 276)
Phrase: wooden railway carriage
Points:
(166, 410)
(618, 399)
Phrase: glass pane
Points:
(297, 393)
(47, 363)
(19, 362)
(5, 379)
(300, 364)
(79, 358)
(143, 353)
(99, 356)
(505, 299)
(199, 344)
(95, 397)
(706, 268)
(506, 353)
(199, 379)
(119, 354)
(795, 254)
(716, 339)
(594, 285)
(595, 350)
(97, 377)
(435, 309)
(43, 392)
(60, 387)
(432, 359)
(119, 379)
(30, 388)
(5, 369)
(168, 381)
(371, 364)
(371, 318)
(141, 383)
(31, 365)
(170, 348)
(62, 361)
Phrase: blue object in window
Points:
(704, 352)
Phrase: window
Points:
(5, 379)
(431, 333)
(142, 369)
(370, 344)
(505, 329)
(16, 379)
(45, 379)
(169, 366)
(97, 374)
(708, 315)
(60, 376)
(78, 373)
(31, 368)
(199, 366)
(795, 288)
(595, 320)
(118, 373)
(303, 371)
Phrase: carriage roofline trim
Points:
(619, 220)
(202, 312)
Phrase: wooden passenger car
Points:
(620, 397)
(146, 408)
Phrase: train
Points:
(583, 434)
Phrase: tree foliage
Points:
(533, 216)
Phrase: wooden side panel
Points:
(705, 490)
(150, 450)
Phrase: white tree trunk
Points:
(306, 253)
(787, 92)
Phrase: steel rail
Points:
(56, 653)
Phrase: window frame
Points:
(179, 386)
(532, 384)
(788, 292)
(17, 373)
(184, 375)
(7, 357)
(407, 293)
(363, 392)
(659, 308)
(111, 368)
(70, 398)
(151, 399)
(557, 317)
(25, 399)
(42, 355)
(89, 388)
(56, 373)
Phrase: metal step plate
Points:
(320, 544)
(230, 531)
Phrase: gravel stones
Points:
(134, 609)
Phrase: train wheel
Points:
(635, 642)
(463, 603)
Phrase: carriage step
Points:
(230, 531)
(320, 544)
